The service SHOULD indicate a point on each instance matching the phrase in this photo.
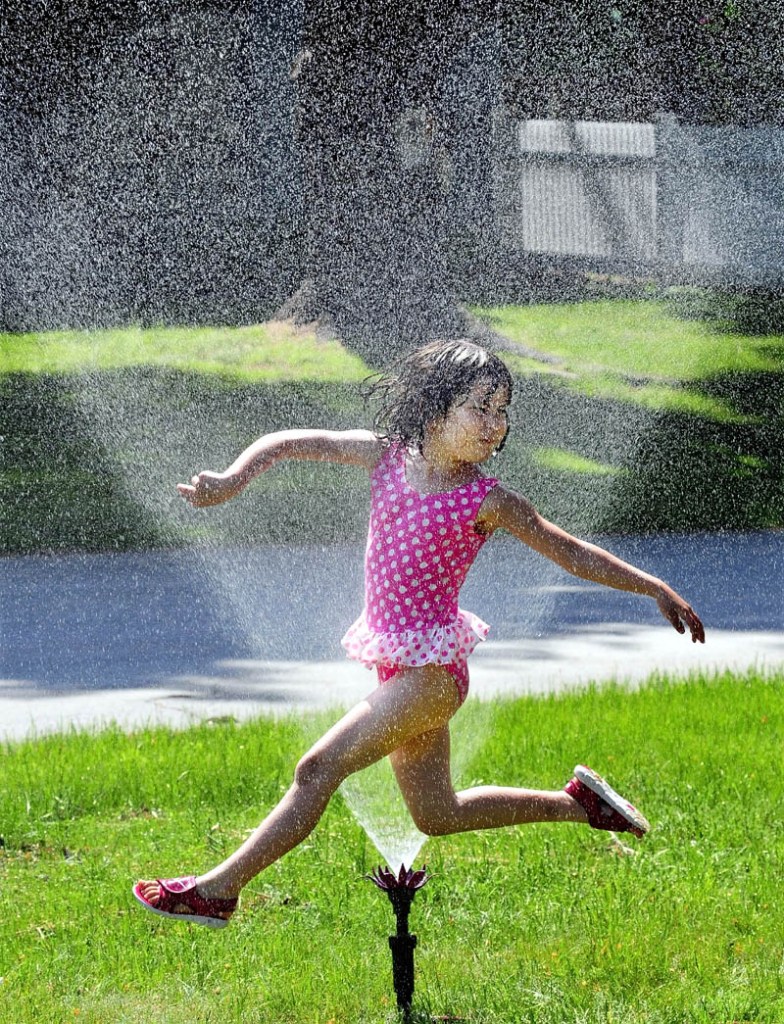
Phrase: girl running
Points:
(432, 508)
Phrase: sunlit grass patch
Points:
(565, 461)
(634, 351)
(87, 415)
(272, 351)
(634, 337)
(657, 397)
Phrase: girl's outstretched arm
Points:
(350, 447)
(509, 511)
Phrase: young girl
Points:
(432, 509)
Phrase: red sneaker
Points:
(605, 808)
(178, 898)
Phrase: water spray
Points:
(401, 889)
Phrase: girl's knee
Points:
(441, 821)
(316, 768)
(309, 769)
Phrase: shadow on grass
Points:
(58, 487)
(699, 474)
(673, 471)
(90, 461)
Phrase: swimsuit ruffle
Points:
(437, 645)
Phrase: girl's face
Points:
(474, 426)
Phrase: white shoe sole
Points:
(598, 785)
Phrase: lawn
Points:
(627, 418)
(639, 338)
(269, 352)
(638, 351)
(541, 923)
(635, 351)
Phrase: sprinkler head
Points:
(407, 878)
(400, 889)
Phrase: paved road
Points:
(179, 636)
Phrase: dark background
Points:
(209, 162)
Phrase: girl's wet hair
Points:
(425, 384)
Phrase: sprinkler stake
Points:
(401, 890)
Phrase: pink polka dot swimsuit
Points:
(419, 550)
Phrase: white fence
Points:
(684, 199)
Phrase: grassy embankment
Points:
(627, 418)
(541, 923)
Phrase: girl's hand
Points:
(207, 489)
(680, 614)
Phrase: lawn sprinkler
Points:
(401, 890)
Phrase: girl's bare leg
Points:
(422, 769)
(418, 701)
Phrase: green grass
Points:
(268, 352)
(656, 397)
(569, 462)
(601, 340)
(644, 422)
(599, 346)
(641, 338)
(542, 923)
